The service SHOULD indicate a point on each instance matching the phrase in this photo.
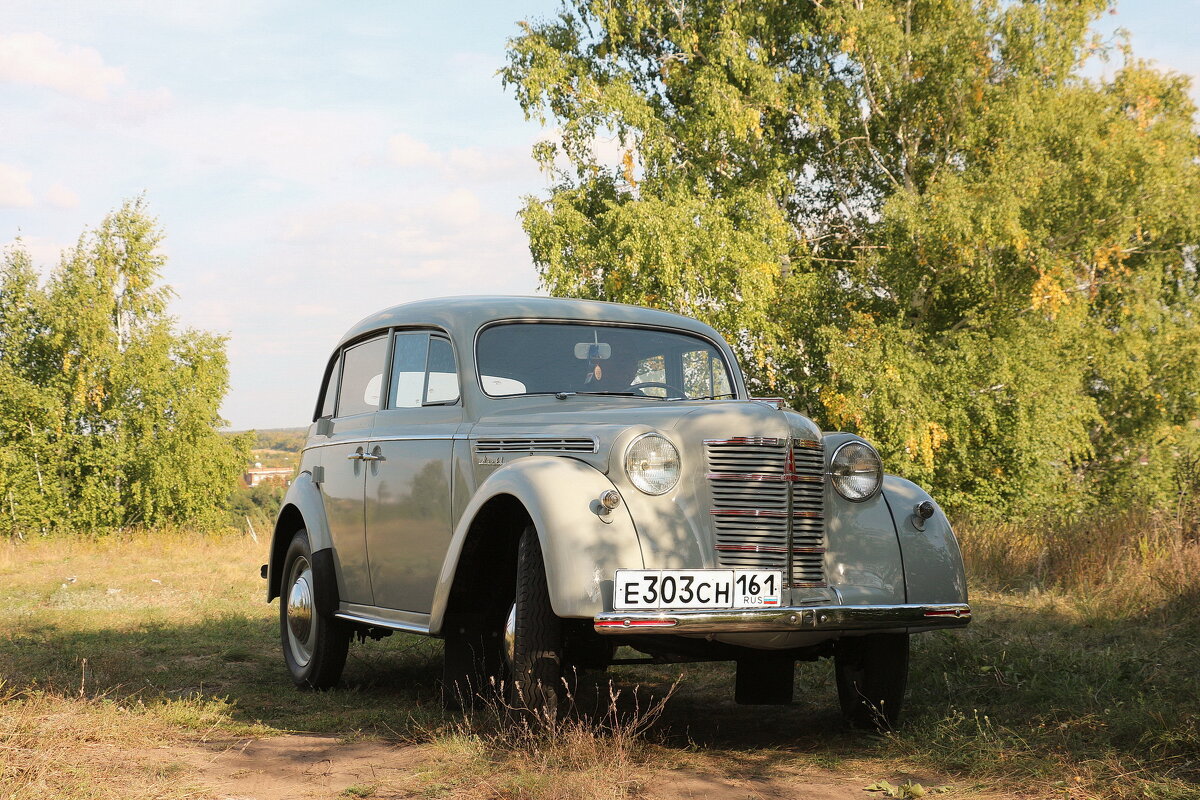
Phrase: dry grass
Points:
(62, 746)
(1132, 561)
(1076, 681)
(603, 752)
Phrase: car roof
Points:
(462, 316)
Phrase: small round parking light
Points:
(610, 499)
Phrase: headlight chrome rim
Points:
(638, 479)
(839, 481)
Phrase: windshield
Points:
(552, 357)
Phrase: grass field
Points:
(120, 656)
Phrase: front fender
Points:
(581, 549)
(933, 564)
(302, 508)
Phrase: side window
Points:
(704, 376)
(442, 384)
(362, 377)
(408, 370)
(423, 371)
(329, 400)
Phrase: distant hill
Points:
(286, 439)
(276, 447)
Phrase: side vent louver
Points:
(536, 445)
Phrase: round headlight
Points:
(652, 464)
(856, 471)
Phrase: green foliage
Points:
(915, 219)
(260, 504)
(108, 415)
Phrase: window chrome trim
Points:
(416, 438)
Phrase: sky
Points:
(310, 163)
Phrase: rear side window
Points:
(423, 371)
(362, 377)
(442, 383)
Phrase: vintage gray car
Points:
(538, 481)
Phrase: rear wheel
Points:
(872, 674)
(314, 642)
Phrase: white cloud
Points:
(406, 151)
(34, 59)
(263, 143)
(60, 196)
(313, 310)
(461, 165)
(458, 207)
(14, 187)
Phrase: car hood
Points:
(606, 421)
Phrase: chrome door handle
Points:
(376, 456)
(357, 455)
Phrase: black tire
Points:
(872, 675)
(537, 636)
(314, 641)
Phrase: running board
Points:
(374, 621)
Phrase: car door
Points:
(409, 480)
(358, 376)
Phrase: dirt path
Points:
(322, 768)
(296, 767)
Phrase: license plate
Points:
(696, 588)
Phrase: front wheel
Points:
(533, 636)
(872, 674)
(314, 642)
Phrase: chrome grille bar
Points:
(768, 505)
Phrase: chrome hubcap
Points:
(510, 637)
(301, 631)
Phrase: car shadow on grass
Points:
(1020, 692)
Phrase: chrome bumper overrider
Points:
(771, 620)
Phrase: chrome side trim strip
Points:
(775, 620)
(377, 622)
(416, 438)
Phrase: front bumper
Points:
(794, 619)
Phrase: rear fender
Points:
(302, 508)
(581, 548)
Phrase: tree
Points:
(918, 220)
(111, 410)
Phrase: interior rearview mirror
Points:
(591, 351)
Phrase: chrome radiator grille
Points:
(768, 505)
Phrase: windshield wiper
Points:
(565, 395)
(700, 397)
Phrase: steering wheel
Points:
(672, 391)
